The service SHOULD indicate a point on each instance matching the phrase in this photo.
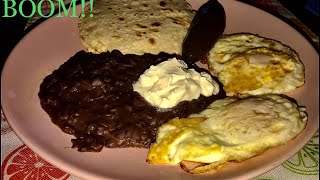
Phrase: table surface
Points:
(19, 162)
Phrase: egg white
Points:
(250, 64)
(230, 129)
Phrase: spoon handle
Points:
(206, 27)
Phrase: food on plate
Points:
(136, 27)
(91, 96)
(250, 64)
(230, 129)
(206, 28)
(170, 82)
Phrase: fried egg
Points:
(230, 129)
(250, 64)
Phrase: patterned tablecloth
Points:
(19, 162)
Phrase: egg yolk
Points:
(248, 72)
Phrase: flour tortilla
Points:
(136, 27)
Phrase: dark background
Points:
(12, 29)
(306, 10)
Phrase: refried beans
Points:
(91, 97)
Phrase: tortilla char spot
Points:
(166, 9)
(116, 37)
(129, 7)
(152, 41)
(145, 5)
(176, 21)
(138, 33)
(121, 19)
(154, 30)
(142, 26)
(156, 24)
(162, 3)
(110, 8)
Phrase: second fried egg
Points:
(230, 129)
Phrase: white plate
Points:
(54, 41)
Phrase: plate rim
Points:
(44, 153)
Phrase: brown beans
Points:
(91, 97)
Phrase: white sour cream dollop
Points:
(170, 82)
